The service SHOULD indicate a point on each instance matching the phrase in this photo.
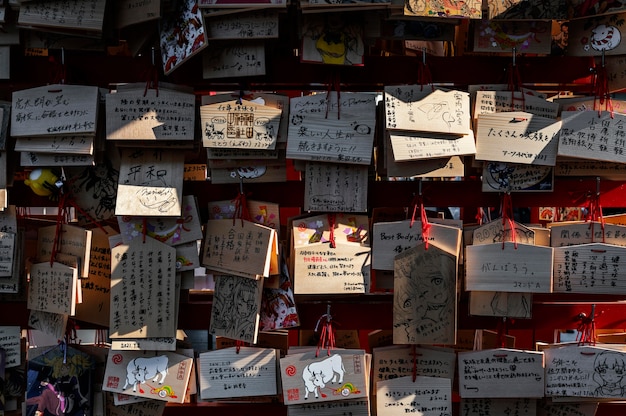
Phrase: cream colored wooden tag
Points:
(10, 342)
(353, 407)
(52, 288)
(251, 373)
(58, 109)
(597, 35)
(397, 361)
(508, 267)
(501, 373)
(7, 254)
(419, 108)
(55, 159)
(415, 146)
(335, 187)
(142, 408)
(509, 177)
(320, 269)
(143, 344)
(392, 238)
(143, 298)
(517, 137)
(53, 324)
(239, 125)
(73, 240)
(590, 268)
(498, 231)
(582, 167)
(255, 24)
(547, 407)
(424, 306)
(332, 127)
(330, 376)
(150, 183)
(129, 12)
(244, 60)
(428, 396)
(236, 308)
(96, 288)
(57, 14)
(162, 375)
(490, 102)
(238, 247)
(423, 168)
(585, 232)
(503, 304)
(169, 230)
(597, 135)
(136, 113)
(493, 407)
(598, 369)
(83, 145)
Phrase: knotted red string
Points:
(501, 332)
(418, 201)
(601, 92)
(241, 208)
(424, 76)
(238, 345)
(587, 328)
(334, 84)
(514, 85)
(327, 334)
(414, 354)
(507, 218)
(152, 78)
(594, 214)
(332, 223)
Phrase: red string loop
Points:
(601, 92)
(332, 223)
(507, 218)
(241, 208)
(587, 328)
(327, 334)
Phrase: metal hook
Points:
(241, 184)
(514, 50)
(597, 186)
(424, 55)
(419, 188)
(152, 52)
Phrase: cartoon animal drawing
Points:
(141, 369)
(317, 374)
(605, 38)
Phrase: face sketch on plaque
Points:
(424, 295)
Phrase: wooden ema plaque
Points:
(418, 146)
(237, 372)
(418, 108)
(494, 407)
(54, 110)
(427, 396)
(424, 306)
(593, 135)
(501, 373)
(517, 137)
(134, 113)
(239, 125)
(590, 268)
(52, 288)
(509, 267)
(392, 238)
(345, 135)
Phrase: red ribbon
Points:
(594, 214)
(587, 328)
(241, 208)
(515, 84)
(414, 354)
(507, 218)
(327, 334)
(602, 94)
(332, 223)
